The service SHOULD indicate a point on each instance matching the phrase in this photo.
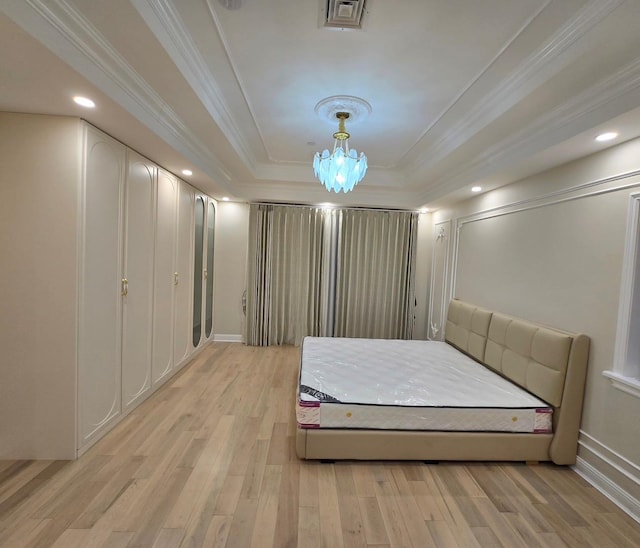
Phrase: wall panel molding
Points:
(440, 289)
(610, 473)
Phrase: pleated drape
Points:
(287, 274)
(346, 273)
(375, 295)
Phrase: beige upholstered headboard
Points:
(467, 328)
(532, 356)
(549, 363)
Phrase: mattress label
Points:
(308, 417)
(542, 422)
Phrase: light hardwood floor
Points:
(209, 461)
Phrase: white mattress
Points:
(409, 385)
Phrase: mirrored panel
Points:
(211, 227)
(197, 271)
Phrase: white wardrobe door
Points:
(138, 280)
(165, 249)
(100, 305)
(184, 269)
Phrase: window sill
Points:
(626, 384)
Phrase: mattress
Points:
(409, 385)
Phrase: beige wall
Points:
(423, 274)
(232, 237)
(550, 249)
(39, 185)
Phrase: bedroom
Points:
(572, 218)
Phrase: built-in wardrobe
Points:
(138, 249)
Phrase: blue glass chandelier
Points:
(343, 169)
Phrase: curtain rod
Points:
(337, 207)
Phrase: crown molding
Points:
(315, 193)
(602, 95)
(548, 60)
(167, 25)
(70, 36)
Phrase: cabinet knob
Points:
(176, 277)
(125, 287)
(205, 273)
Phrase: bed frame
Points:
(547, 362)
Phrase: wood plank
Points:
(218, 532)
(391, 514)
(286, 533)
(308, 527)
(229, 496)
(169, 538)
(308, 495)
(442, 534)
(267, 512)
(352, 524)
(372, 522)
(328, 506)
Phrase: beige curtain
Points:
(345, 273)
(287, 274)
(374, 296)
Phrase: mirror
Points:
(211, 225)
(197, 272)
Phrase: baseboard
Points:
(610, 473)
(220, 337)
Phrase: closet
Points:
(157, 251)
(104, 293)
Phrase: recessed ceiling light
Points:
(606, 136)
(424, 210)
(225, 199)
(83, 101)
(187, 172)
(476, 188)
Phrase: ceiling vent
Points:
(344, 14)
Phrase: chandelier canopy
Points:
(342, 169)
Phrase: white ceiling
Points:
(462, 92)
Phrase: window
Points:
(626, 361)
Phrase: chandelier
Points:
(342, 169)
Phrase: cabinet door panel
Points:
(165, 249)
(184, 268)
(100, 305)
(138, 273)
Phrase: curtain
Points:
(374, 296)
(345, 273)
(287, 274)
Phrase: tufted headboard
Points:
(532, 356)
(467, 328)
(545, 361)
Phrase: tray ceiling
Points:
(461, 92)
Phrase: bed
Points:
(498, 389)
